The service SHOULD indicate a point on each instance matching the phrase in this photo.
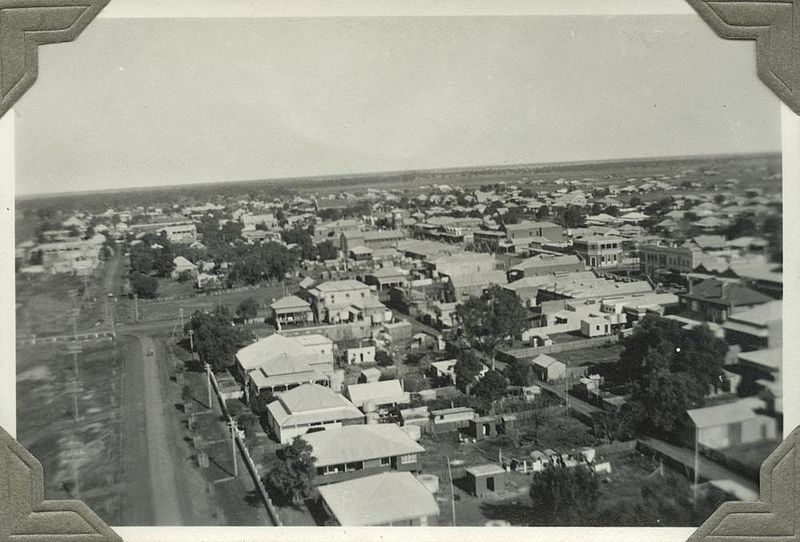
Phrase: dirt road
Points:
(151, 493)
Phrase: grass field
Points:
(168, 309)
(81, 455)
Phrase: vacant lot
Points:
(168, 309)
(608, 353)
(81, 454)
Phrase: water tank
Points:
(369, 406)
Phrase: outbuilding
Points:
(483, 480)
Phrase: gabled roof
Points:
(770, 358)
(707, 241)
(180, 261)
(546, 260)
(351, 443)
(728, 293)
(290, 302)
(478, 279)
(380, 499)
(386, 391)
(543, 360)
(727, 413)
(332, 286)
(760, 315)
(310, 403)
(278, 354)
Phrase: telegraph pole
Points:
(232, 425)
(696, 463)
(208, 381)
(452, 491)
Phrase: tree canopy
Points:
(562, 494)
(491, 386)
(488, 320)
(468, 366)
(254, 264)
(143, 285)
(671, 369)
(293, 477)
(216, 340)
(247, 309)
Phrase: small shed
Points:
(485, 479)
(482, 427)
(508, 422)
(547, 368)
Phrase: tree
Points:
(543, 212)
(303, 239)
(163, 261)
(327, 251)
(280, 216)
(741, 227)
(142, 259)
(383, 358)
(672, 369)
(247, 309)
(573, 217)
(492, 318)
(563, 494)
(658, 403)
(144, 286)
(492, 386)
(519, 373)
(466, 369)
(215, 338)
(695, 351)
(293, 477)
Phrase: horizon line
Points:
(357, 175)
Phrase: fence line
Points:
(251, 467)
(50, 339)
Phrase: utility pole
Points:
(452, 491)
(74, 455)
(135, 308)
(191, 342)
(180, 315)
(74, 349)
(75, 391)
(208, 381)
(696, 463)
(232, 425)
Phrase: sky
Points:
(148, 102)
